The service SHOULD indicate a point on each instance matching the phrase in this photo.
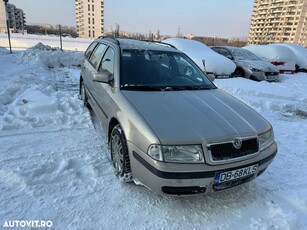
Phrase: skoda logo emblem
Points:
(237, 143)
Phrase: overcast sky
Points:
(223, 18)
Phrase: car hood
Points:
(259, 64)
(192, 117)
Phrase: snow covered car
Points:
(301, 56)
(280, 56)
(168, 129)
(248, 64)
(208, 60)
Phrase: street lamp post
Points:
(7, 25)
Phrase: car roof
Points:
(133, 44)
(228, 47)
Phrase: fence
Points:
(25, 41)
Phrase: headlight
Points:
(177, 154)
(252, 69)
(266, 139)
(256, 70)
(183, 154)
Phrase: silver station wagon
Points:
(168, 126)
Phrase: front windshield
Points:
(160, 70)
(242, 54)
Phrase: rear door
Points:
(86, 65)
(91, 66)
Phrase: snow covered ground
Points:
(21, 42)
(53, 163)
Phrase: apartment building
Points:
(89, 18)
(2, 17)
(16, 17)
(279, 21)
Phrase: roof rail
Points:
(111, 39)
(159, 42)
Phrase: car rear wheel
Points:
(83, 95)
(119, 155)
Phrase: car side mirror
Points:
(103, 77)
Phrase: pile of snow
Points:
(49, 57)
(300, 53)
(283, 57)
(34, 90)
(215, 63)
(283, 99)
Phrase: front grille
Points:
(271, 73)
(226, 151)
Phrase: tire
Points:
(83, 95)
(119, 155)
(239, 73)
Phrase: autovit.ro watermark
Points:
(28, 224)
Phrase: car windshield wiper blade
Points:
(191, 87)
(141, 87)
(165, 88)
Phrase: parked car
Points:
(208, 60)
(248, 64)
(301, 56)
(168, 129)
(280, 56)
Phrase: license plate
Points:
(222, 177)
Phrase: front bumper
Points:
(189, 179)
(266, 76)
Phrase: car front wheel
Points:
(239, 73)
(119, 155)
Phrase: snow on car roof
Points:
(199, 52)
(272, 52)
(144, 45)
(300, 53)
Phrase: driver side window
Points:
(107, 63)
(226, 53)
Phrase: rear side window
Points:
(216, 49)
(90, 49)
(97, 55)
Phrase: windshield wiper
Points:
(191, 87)
(141, 87)
(165, 88)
